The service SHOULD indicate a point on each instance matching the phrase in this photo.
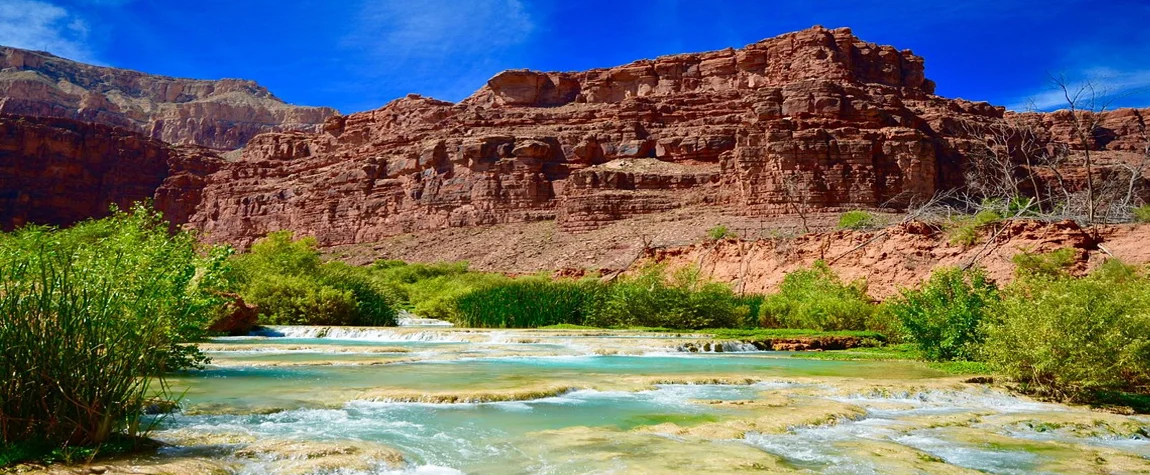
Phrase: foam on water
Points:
(306, 402)
(359, 333)
(720, 347)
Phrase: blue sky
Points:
(359, 54)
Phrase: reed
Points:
(93, 317)
(527, 303)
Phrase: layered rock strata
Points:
(60, 171)
(221, 114)
(811, 121)
(816, 118)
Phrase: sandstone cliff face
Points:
(59, 171)
(815, 119)
(221, 114)
(817, 116)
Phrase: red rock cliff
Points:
(817, 113)
(59, 171)
(221, 114)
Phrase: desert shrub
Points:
(883, 321)
(92, 318)
(527, 303)
(683, 300)
(289, 283)
(857, 220)
(718, 233)
(436, 297)
(1142, 214)
(964, 231)
(817, 299)
(1051, 264)
(753, 303)
(944, 316)
(403, 273)
(1075, 338)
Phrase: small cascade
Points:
(724, 346)
(408, 319)
(358, 333)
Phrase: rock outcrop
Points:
(221, 114)
(59, 171)
(904, 255)
(815, 120)
(817, 117)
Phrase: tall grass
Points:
(527, 303)
(93, 316)
(682, 300)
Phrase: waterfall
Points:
(359, 333)
(727, 346)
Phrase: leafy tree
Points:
(944, 316)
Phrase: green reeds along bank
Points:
(527, 303)
(93, 317)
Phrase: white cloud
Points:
(1109, 86)
(401, 29)
(39, 25)
(441, 48)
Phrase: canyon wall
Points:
(815, 120)
(816, 116)
(221, 114)
(60, 171)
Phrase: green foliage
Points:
(42, 452)
(817, 299)
(857, 220)
(1051, 264)
(1142, 214)
(753, 302)
(964, 231)
(652, 299)
(766, 333)
(93, 317)
(1075, 338)
(436, 297)
(943, 317)
(718, 233)
(527, 303)
(289, 283)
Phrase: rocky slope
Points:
(816, 116)
(547, 170)
(221, 114)
(904, 255)
(59, 171)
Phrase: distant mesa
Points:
(223, 114)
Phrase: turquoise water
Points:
(568, 409)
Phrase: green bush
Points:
(816, 299)
(1051, 264)
(527, 303)
(290, 285)
(1075, 338)
(964, 231)
(943, 317)
(93, 317)
(857, 220)
(1142, 214)
(718, 233)
(685, 300)
(436, 297)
